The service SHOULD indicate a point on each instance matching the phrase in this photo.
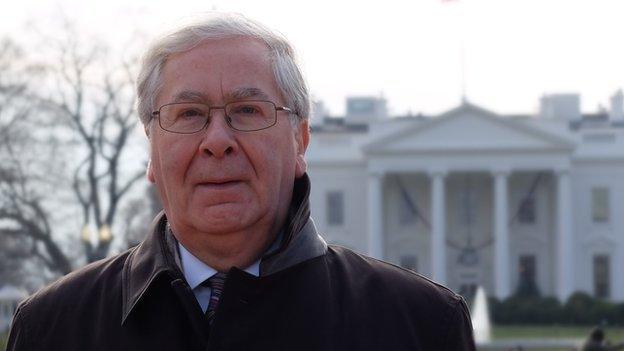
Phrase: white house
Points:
(471, 197)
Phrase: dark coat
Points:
(308, 297)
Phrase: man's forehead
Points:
(237, 46)
(239, 67)
(236, 93)
(214, 55)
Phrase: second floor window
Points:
(526, 213)
(407, 209)
(600, 204)
(467, 206)
(335, 208)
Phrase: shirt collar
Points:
(196, 272)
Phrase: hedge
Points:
(579, 309)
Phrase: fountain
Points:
(481, 318)
(482, 329)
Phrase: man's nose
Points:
(218, 139)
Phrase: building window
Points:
(407, 209)
(335, 208)
(602, 275)
(526, 213)
(409, 262)
(600, 204)
(527, 271)
(467, 203)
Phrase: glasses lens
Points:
(183, 117)
(251, 115)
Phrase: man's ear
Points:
(150, 172)
(146, 128)
(303, 139)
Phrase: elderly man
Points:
(234, 261)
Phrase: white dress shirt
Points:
(196, 272)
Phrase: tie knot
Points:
(216, 282)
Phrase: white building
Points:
(473, 198)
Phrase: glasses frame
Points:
(228, 119)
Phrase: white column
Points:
(438, 227)
(502, 272)
(565, 262)
(375, 215)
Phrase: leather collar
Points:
(153, 257)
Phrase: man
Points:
(597, 342)
(234, 262)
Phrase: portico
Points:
(494, 151)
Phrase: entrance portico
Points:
(480, 143)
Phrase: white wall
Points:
(352, 181)
(599, 238)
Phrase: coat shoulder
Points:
(395, 279)
(78, 288)
(391, 281)
(398, 299)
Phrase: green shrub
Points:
(527, 310)
(580, 309)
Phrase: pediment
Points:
(468, 128)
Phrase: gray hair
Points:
(286, 70)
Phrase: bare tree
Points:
(82, 115)
(136, 213)
(103, 129)
(95, 102)
(25, 229)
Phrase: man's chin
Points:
(222, 219)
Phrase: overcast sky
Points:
(410, 51)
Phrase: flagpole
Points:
(462, 55)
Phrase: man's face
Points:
(219, 180)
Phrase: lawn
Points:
(3, 340)
(615, 334)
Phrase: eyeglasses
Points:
(244, 116)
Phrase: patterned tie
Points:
(215, 283)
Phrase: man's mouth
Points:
(219, 184)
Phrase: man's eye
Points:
(190, 113)
(247, 110)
